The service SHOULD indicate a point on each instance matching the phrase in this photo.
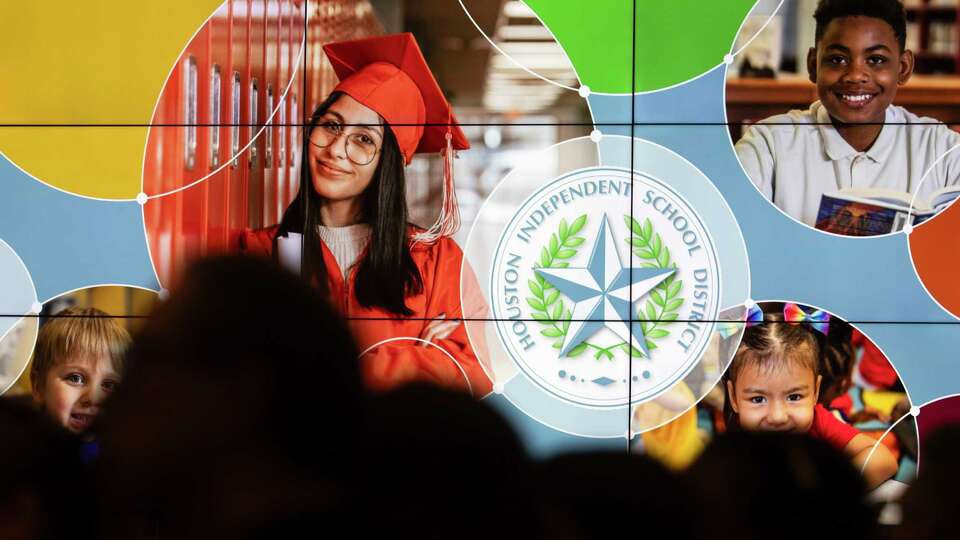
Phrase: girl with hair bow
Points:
(773, 384)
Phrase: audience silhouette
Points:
(242, 415)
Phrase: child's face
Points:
(780, 397)
(857, 66)
(74, 390)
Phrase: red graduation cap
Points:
(389, 75)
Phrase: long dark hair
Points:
(386, 272)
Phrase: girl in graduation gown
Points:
(398, 285)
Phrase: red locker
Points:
(162, 160)
(270, 95)
(296, 90)
(312, 61)
(256, 88)
(218, 113)
(175, 216)
(238, 118)
(196, 108)
(220, 95)
(282, 115)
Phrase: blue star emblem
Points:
(604, 293)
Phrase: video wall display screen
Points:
(621, 227)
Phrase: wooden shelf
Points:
(928, 93)
(935, 55)
(942, 13)
(923, 17)
(750, 100)
(920, 90)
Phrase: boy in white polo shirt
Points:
(852, 137)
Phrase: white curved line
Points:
(723, 63)
(98, 285)
(916, 434)
(857, 327)
(920, 407)
(22, 319)
(425, 342)
(146, 139)
(880, 441)
(632, 141)
(33, 288)
(60, 189)
(923, 284)
(13, 381)
(6, 332)
(518, 64)
(913, 198)
(266, 124)
(913, 261)
(762, 28)
(706, 72)
(733, 148)
(565, 87)
(156, 102)
(146, 240)
(560, 45)
(23, 265)
(697, 398)
(593, 122)
(930, 402)
(146, 143)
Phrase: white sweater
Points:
(346, 243)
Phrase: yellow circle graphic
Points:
(73, 72)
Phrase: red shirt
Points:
(830, 429)
(874, 366)
(395, 362)
(844, 404)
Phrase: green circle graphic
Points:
(676, 40)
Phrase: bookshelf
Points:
(750, 100)
(933, 35)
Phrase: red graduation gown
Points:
(396, 362)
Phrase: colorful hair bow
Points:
(819, 320)
(754, 316)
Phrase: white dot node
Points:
(728, 59)
(914, 411)
(498, 388)
(36, 307)
(596, 135)
(141, 198)
(584, 91)
(163, 294)
(749, 303)
(907, 228)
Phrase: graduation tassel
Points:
(448, 223)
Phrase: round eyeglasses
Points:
(361, 147)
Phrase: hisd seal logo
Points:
(598, 305)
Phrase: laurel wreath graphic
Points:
(549, 310)
(664, 302)
(546, 305)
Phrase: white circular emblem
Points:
(604, 287)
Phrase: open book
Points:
(869, 212)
